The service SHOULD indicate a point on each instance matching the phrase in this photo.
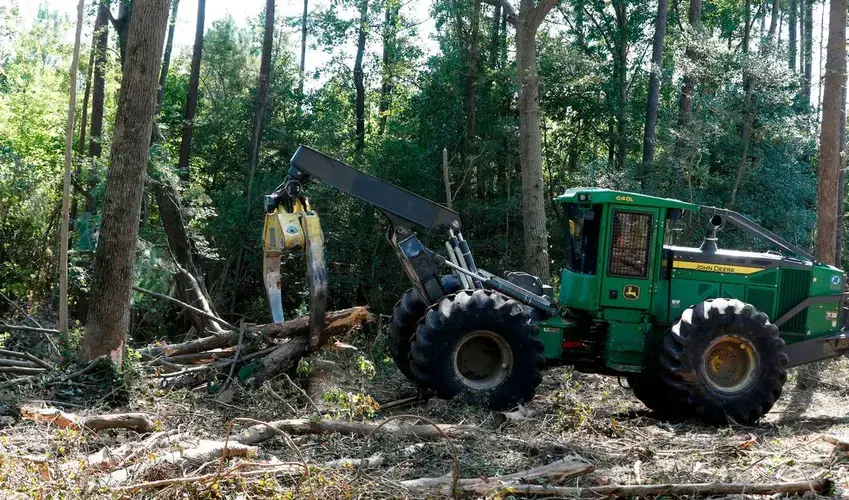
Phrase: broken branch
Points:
(138, 422)
(300, 426)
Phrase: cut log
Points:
(371, 462)
(27, 356)
(205, 451)
(555, 472)
(337, 322)
(18, 364)
(838, 443)
(642, 490)
(17, 370)
(520, 415)
(138, 422)
(299, 426)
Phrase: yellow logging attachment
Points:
(296, 231)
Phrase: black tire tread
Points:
(446, 321)
(682, 346)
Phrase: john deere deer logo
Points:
(631, 292)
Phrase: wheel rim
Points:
(729, 364)
(482, 360)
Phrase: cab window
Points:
(582, 232)
(630, 243)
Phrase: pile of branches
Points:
(252, 353)
(159, 460)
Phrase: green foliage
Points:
(581, 100)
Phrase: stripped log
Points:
(205, 451)
(138, 422)
(643, 490)
(300, 426)
(555, 472)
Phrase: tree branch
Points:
(508, 8)
(538, 13)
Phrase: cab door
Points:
(631, 243)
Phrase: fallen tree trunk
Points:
(18, 364)
(555, 472)
(18, 370)
(138, 422)
(205, 451)
(281, 359)
(299, 426)
(642, 490)
(28, 357)
(337, 322)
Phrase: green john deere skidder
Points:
(704, 332)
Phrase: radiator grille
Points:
(793, 288)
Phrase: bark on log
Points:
(555, 472)
(18, 364)
(19, 370)
(138, 422)
(300, 426)
(27, 356)
(337, 322)
(520, 415)
(205, 451)
(642, 490)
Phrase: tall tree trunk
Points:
(114, 262)
(98, 95)
(81, 144)
(801, 37)
(470, 98)
(791, 26)
(821, 62)
(189, 278)
(121, 25)
(390, 29)
(620, 64)
(830, 146)
(685, 110)
(256, 128)
(261, 99)
(773, 20)
(495, 37)
(748, 105)
(303, 46)
(166, 59)
(527, 22)
(359, 76)
(192, 99)
(841, 185)
(653, 98)
(807, 49)
(66, 191)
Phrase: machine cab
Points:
(613, 249)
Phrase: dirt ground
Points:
(587, 416)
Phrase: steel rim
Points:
(729, 364)
(482, 360)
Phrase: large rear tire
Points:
(729, 360)
(480, 346)
(406, 314)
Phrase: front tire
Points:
(728, 358)
(406, 314)
(480, 346)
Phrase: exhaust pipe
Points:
(714, 224)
